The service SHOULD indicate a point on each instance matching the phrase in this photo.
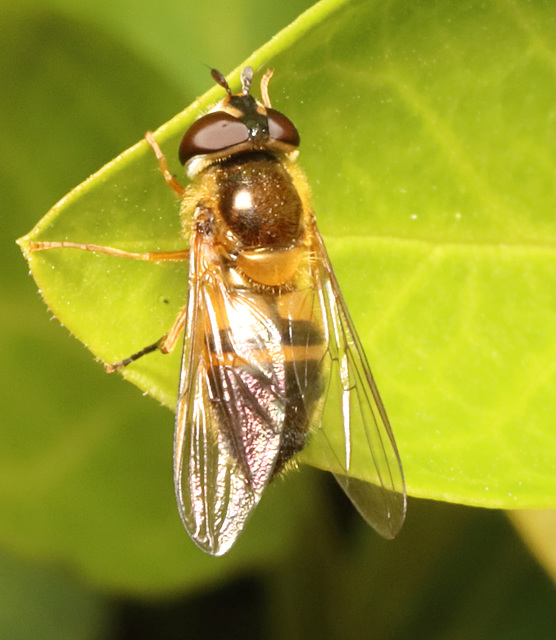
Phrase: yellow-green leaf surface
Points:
(429, 145)
(428, 135)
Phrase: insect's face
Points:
(237, 124)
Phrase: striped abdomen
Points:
(265, 375)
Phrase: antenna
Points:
(246, 79)
(221, 80)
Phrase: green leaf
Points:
(428, 139)
(538, 529)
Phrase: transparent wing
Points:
(352, 399)
(231, 406)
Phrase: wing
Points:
(231, 406)
(352, 399)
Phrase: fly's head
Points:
(237, 124)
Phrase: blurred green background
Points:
(80, 82)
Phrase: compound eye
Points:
(282, 128)
(211, 133)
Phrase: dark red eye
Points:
(213, 132)
(282, 128)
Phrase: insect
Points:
(271, 359)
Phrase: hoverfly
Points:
(271, 359)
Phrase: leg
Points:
(148, 256)
(163, 166)
(264, 88)
(166, 344)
